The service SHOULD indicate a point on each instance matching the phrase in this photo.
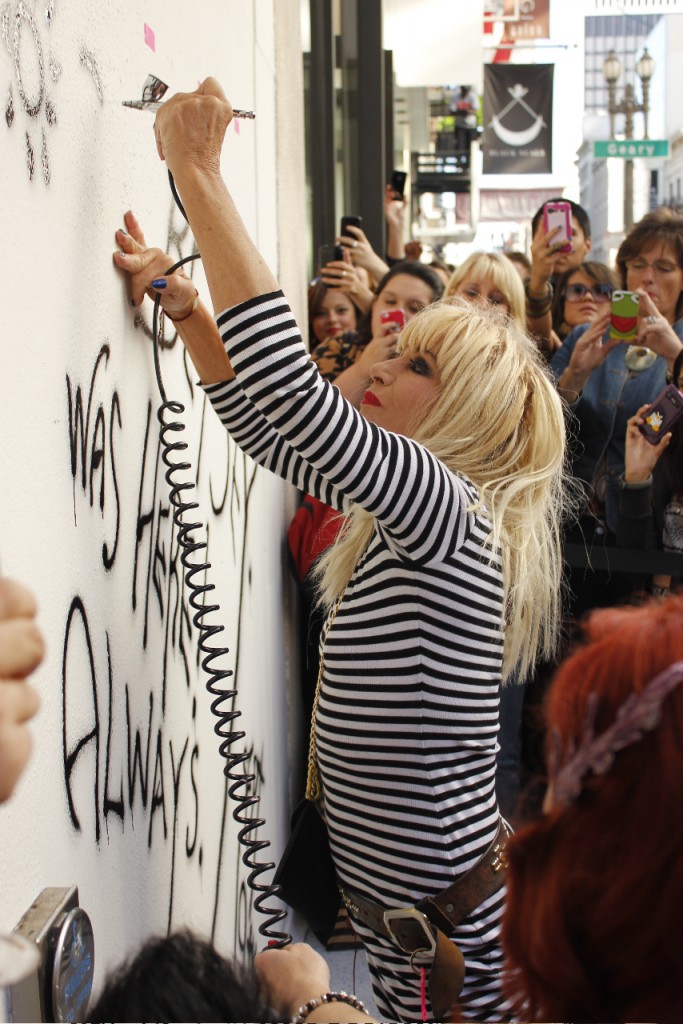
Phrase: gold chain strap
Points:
(313, 788)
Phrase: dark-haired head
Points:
(594, 273)
(414, 268)
(179, 977)
(330, 312)
(412, 283)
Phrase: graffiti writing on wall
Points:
(132, 753)
(34, 74)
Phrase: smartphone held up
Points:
(350, 220)
(329, 252)
(396, 317)
(558, 215)
(624, 316)
(398, 183)
(666, 410)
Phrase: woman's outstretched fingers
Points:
(133, 227)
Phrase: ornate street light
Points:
(611, 71)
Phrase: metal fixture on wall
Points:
(628, 106)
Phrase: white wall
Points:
(84, 509)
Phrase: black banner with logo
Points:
(518, 118)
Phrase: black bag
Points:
(306, 875)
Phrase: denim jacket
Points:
(612, 394)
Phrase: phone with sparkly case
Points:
(666, 410)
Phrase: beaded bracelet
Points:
(328, 997)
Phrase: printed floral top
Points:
(334, 355)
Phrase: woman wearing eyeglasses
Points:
(606, 381)
(580, 295)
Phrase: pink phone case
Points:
(559, 215)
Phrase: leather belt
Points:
(423, 930)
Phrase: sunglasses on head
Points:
(598, 292)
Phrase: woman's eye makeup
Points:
(420, 365)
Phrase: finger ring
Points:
(354, 244)
(651, 319)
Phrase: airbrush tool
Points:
(153, 92)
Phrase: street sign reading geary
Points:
(630, 148)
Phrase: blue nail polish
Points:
(159, 283)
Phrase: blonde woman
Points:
(490, 277)
(445, 580)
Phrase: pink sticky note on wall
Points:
(150, 38)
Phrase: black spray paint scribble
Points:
(94, 428)
(22, 34)
(155, 786)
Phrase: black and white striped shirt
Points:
(408, 713)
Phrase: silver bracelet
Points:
(327, 997)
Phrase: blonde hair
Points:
(498, 421)
(502, 273)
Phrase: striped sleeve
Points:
(249, 429)
(415, 498)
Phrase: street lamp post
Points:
(628, 106)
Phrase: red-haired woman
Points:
(593, 929)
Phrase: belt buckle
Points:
(410, 914)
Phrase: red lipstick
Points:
(370, 398)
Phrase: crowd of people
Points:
(450, 436)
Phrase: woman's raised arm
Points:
(189, 130)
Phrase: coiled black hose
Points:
(241, 788)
